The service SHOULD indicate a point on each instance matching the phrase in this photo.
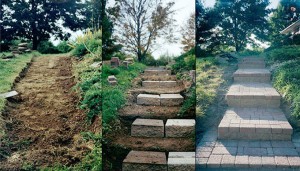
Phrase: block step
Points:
(160, 100)
(253, 59)
(179, 161)
(252, 75)
(254, 124)
(252, 65)
(148, 128)
(157, 72)
(155, 84)
(252, 95)
(159, 77)
(180, 128)
(145, 160)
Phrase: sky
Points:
(184, 9)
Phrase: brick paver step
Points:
(252, 65)
(254, 124)
(155, 84)
(253, 59)
(180, 128)
(145, 160)
(252, 75)
(252, 95)
(179, 161)
(157, 72)
(148, 128)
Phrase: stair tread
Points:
(252, 89)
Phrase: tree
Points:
(141, 22)
(188, 34)
(239, 19)
(279, 20)
(109, 46)
(36, 20)
(206, 36)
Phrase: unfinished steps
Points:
(154, 122)
(254, 133)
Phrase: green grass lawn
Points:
(114, 97)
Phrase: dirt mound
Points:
(46, 122)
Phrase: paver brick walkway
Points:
(254, 133)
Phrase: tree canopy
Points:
(239, 19)
(36, 20)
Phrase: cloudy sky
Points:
(184, 9)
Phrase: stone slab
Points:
(180, 127)
(144, 161)
(179, 161)
(111, 78)
(148, 99)
(147, 128)
(171, 99)
(9, 94)
(254, 124)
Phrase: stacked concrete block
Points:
(147, 128)
(180, 128)
(179, 161)
(112, 80)
(115, 62)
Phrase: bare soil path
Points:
(45, 122)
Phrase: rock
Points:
(9, 94)
(22, 48)
(96, 64)
(112, 78)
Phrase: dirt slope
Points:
(46, 122)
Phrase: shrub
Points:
(90, 42)
(46, 47)
(79, 50)
(284, 54)
(185, 62)
(63, 47)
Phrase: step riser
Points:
(251, 66)
(148, 101)
(252, 136)
(149, 72)
(250, 102)
(162, 100)
(147, 131)
(156, 84)
(257, 79)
